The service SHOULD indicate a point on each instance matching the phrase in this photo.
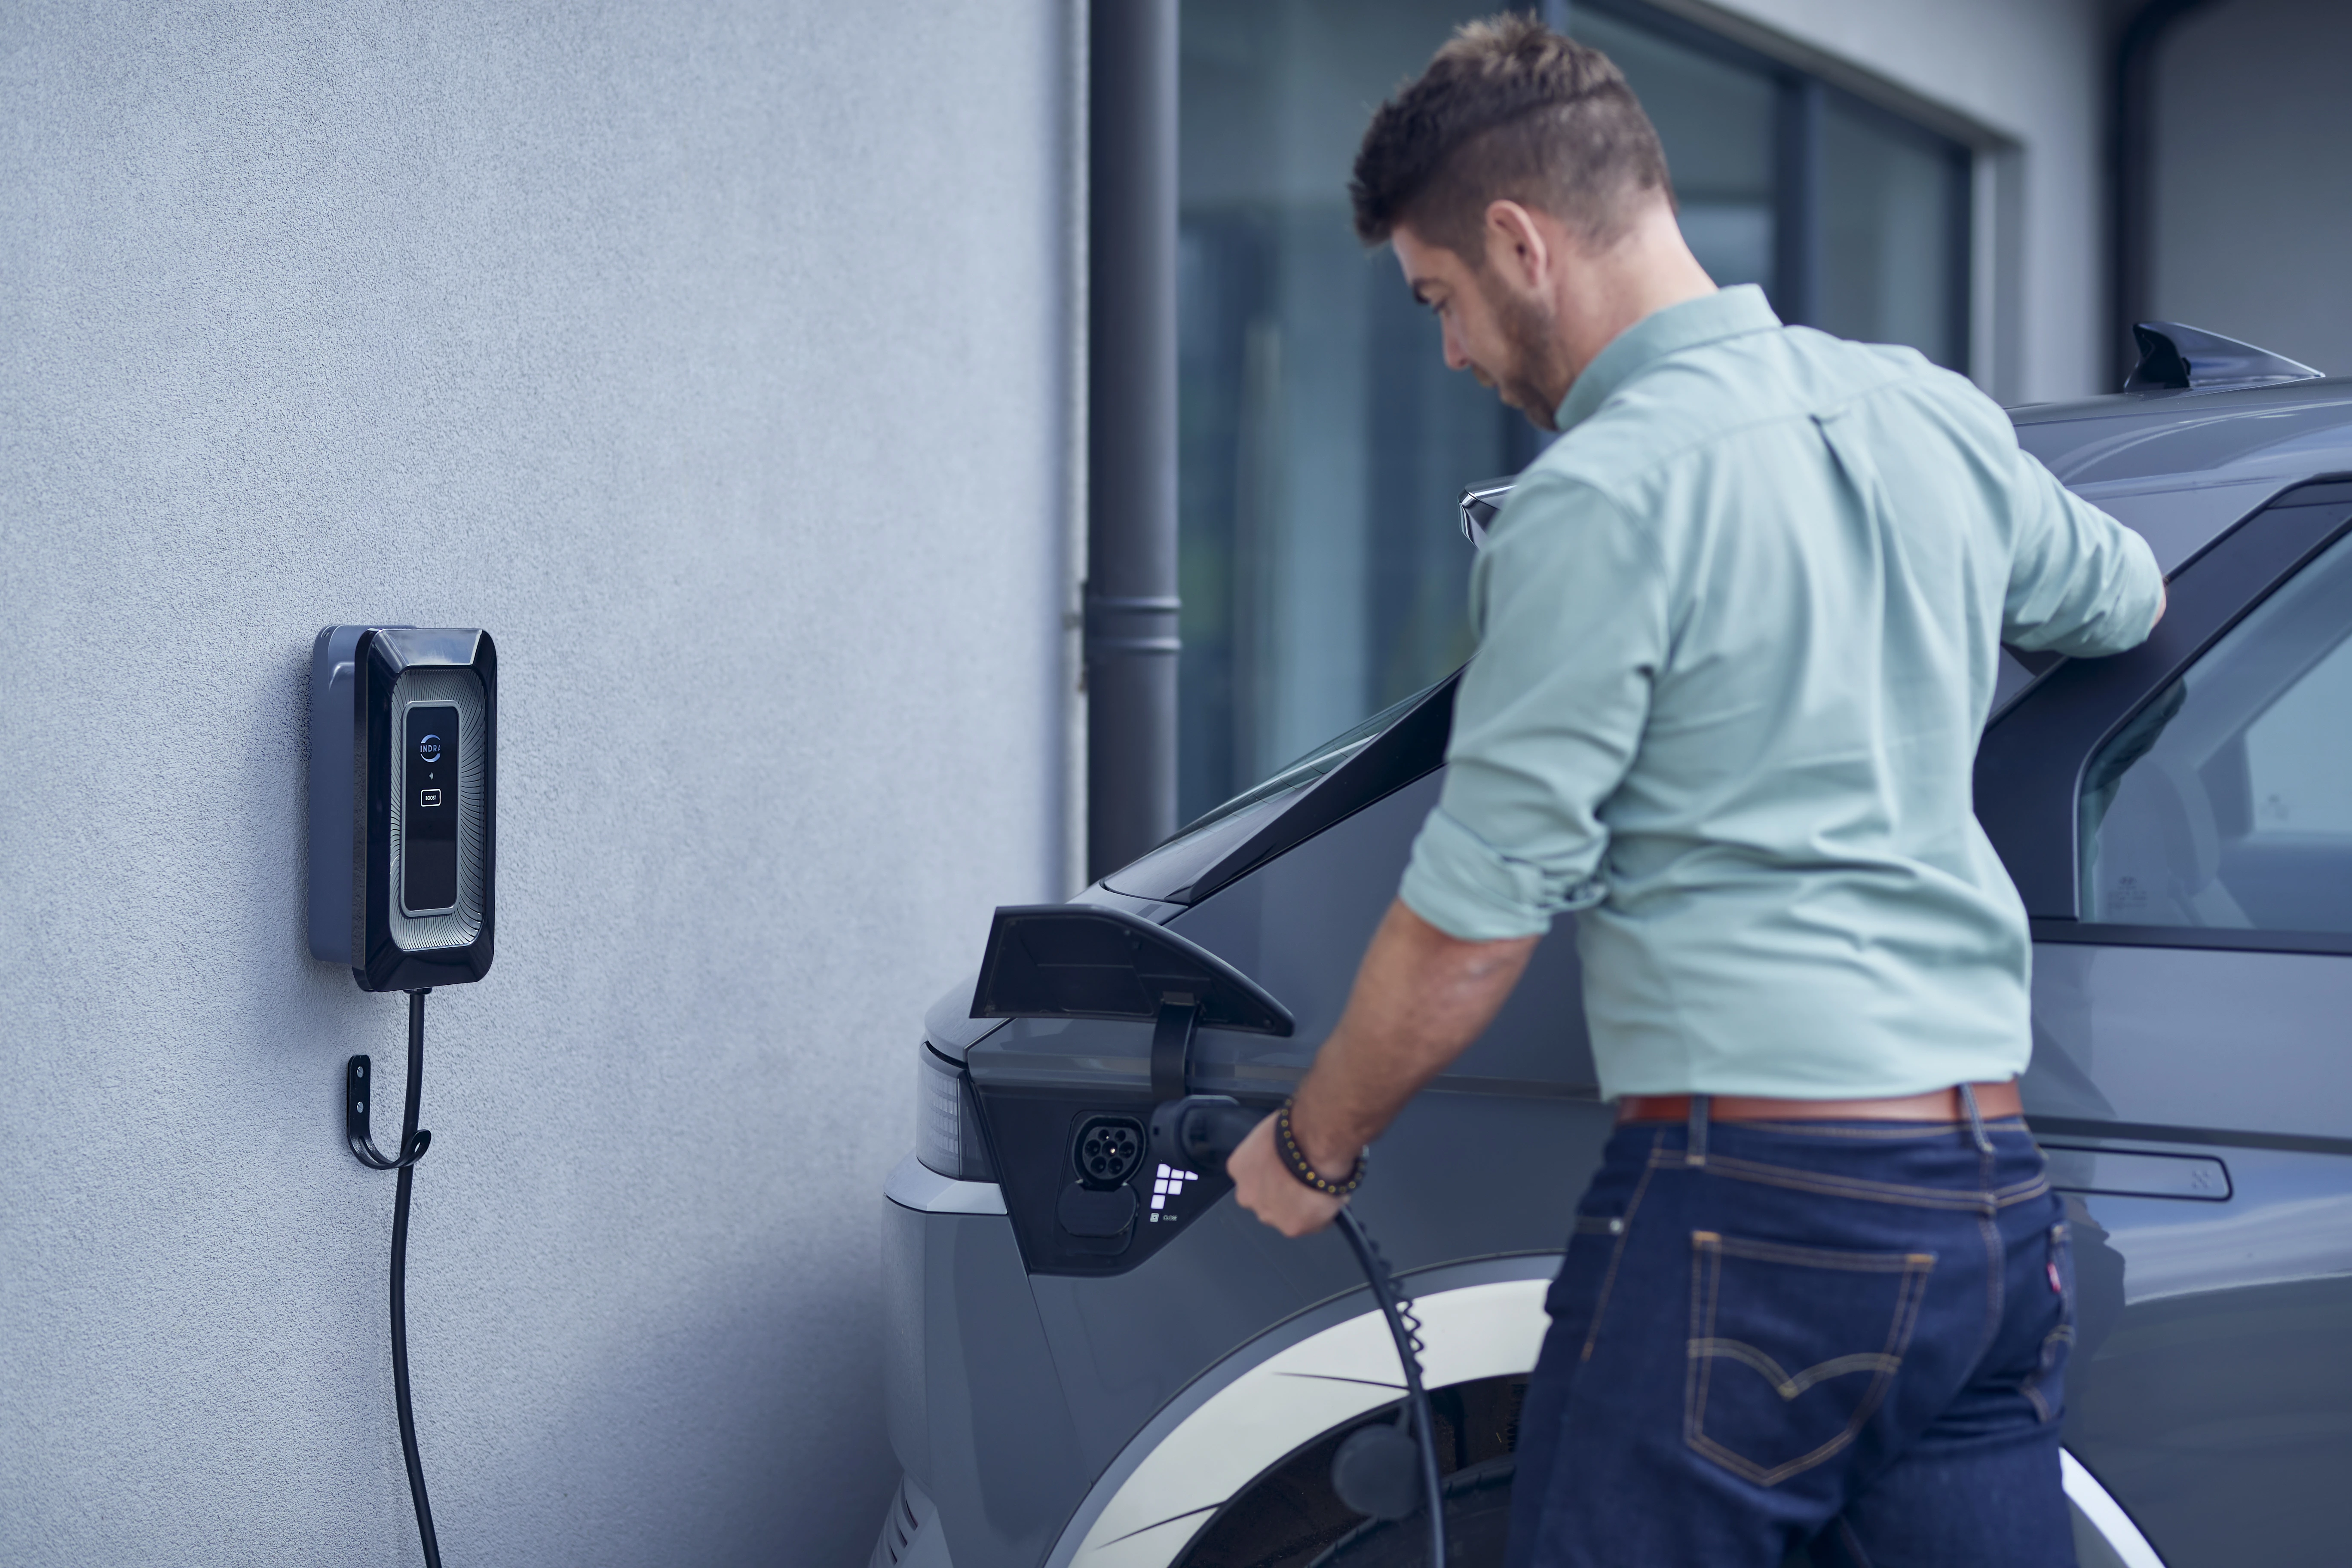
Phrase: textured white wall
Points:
(2033, 72)
(713, 354)
(2254, 177)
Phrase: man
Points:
(1737, 635)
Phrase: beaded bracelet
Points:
(1295, 1161)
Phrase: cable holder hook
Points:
(358, 1091)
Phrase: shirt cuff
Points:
(1474, 892)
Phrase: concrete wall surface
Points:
(2032, 74)
(711, 353)
(2254, 177)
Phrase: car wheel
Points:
(1477, 1520)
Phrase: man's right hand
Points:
(1266, 1187)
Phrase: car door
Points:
(2179, 822)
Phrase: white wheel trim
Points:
(2106, 1515)
(1290, 1398)
(1162, 1497)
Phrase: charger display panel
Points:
(428, 849)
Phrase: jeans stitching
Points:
(1819, 1258)
(2063, 1334)
(1803, 1257)
(1892, 1130)
(1617, 1253)
(1911, 1296)
(1993, 1293)
(1855, 1187)
(1698, 1371)
(1784, 1385)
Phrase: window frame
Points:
(1797, 207)
(1220, 673)
(2031, 765)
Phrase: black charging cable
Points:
(412, 1144)
(1404, 1328)
(1204, 1127)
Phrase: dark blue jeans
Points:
(1850, 1336)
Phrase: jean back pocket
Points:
(1792, 1349)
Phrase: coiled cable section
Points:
(1405, 1329)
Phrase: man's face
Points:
(1504, 335)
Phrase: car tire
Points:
(1477, 1522)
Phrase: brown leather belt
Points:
(1994, 1101)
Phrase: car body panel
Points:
(2182, 466)
(974, 1406)
(2210, 1365)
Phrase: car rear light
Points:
(947, 1122)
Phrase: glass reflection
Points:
(2227, 802)
(1892, 197)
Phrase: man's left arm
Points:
(1421, 997)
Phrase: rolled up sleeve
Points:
(2080, 583)
(1569, 600)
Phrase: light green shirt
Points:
(1738, 634)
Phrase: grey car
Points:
(1095, 1361)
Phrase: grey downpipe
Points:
(1131, 604)
(2131, 167)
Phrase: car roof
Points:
(2180, 466)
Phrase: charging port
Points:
(1107, 1151)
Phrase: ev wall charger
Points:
(404, 835)
(403, 802)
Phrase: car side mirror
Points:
(1478, 504)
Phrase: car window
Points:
(2227, 802)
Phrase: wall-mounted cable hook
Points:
(358, 1091)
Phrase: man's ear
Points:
(1517, 246)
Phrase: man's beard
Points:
(1537, 367)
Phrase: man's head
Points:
(1528, 202)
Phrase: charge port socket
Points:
(1107, 1150)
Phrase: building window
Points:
(1322, 441)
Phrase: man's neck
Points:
(1599, 294)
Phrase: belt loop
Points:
(1695, 1147)
(1975, 1121)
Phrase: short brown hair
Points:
(1507, 111)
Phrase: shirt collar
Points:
(1726, 313)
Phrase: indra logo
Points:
(429, 749)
